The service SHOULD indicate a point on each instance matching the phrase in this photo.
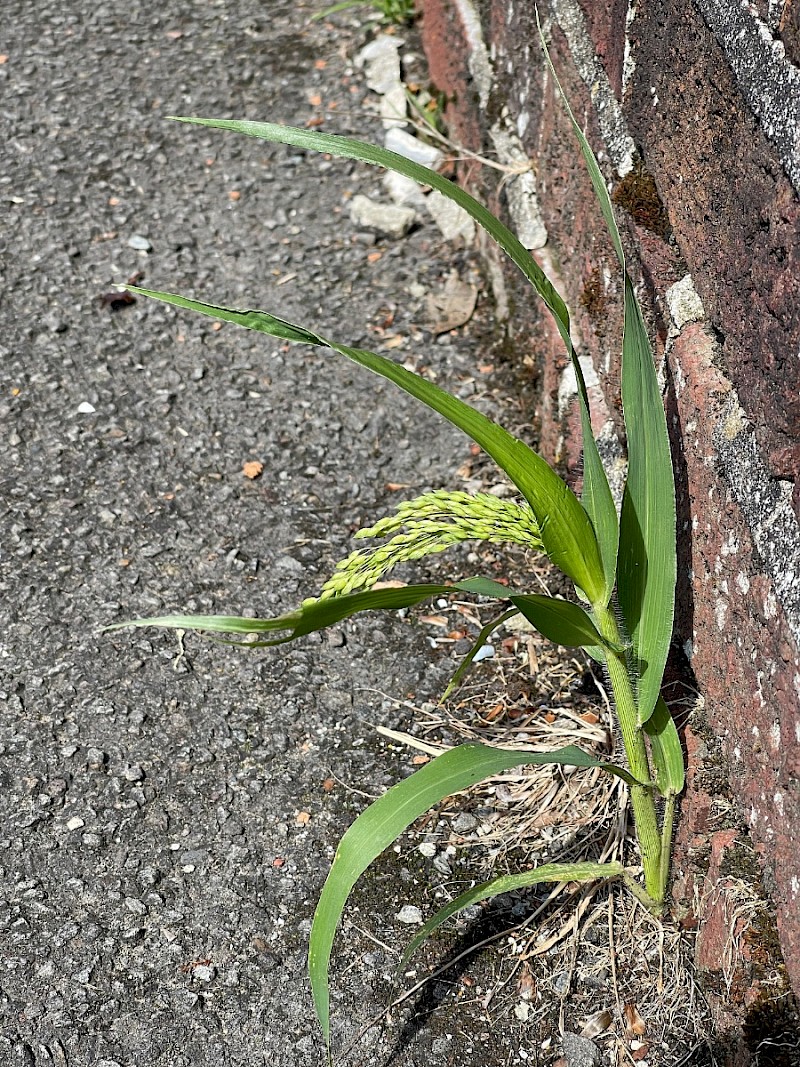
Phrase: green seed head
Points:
(429, 524)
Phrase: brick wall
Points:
(694, 113)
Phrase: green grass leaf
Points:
(478, 644)
(596, 492)
(508, 883)
(566, 530)
(665, 746)
(386, 818)
(347, 148)
(486, 587)
(559, 621)
(313, 615)
(646, 567)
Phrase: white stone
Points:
(684, 303)
(386, 218)
(393, 107)
(451, 219)
(381, 58)
(412, 148)
(409, 914)
(402, 190)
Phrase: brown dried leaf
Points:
(596, 1024)
(252, 469)
(116, 299)
(452, 306)
(635, 1025)
(527, 983)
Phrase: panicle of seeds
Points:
(428, 524)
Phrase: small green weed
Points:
(399, 12)
(622, 567)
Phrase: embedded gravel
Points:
(169, 809)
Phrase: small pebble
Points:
(580, 1051)
(442, 866)
(141, 244)
(386, 218)
(463, 823)
(410, 914)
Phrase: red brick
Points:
(710, 196)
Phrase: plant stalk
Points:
(642, 797)
(666, 841)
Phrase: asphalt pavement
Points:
(169, 808)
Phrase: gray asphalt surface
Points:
(165, 824)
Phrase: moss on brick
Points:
(638, 194)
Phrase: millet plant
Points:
(621, 565)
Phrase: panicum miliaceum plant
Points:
(621, 565)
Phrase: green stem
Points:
(666, 843)
(642, 798)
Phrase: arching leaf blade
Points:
(311, 616)
(646, 569)
(348, 148)
(508, 883)
(566, 530)
(316, 615)
(592, 166)
(223, 624)
(386, 818)
(596, 495)
(559, 621)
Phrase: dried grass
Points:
(581, 955)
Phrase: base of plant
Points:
(655, 907)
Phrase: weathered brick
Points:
(696, 143)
